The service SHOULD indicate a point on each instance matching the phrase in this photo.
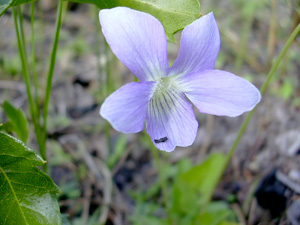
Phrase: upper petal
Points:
(138, 40)
(199, 47)
(220, 93)
(126, 108)
(171, 121)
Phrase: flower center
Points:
(165, 101)
(164, 85)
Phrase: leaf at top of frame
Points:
(173, 14)
(5, 4)
(27, 195)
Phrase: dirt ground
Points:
(78, 146)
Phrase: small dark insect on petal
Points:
(161, 140)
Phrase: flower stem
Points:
(50, 75)
(262, 91)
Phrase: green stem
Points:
(35, 80)
(50, 75)
(278, 60)
(22, 31)
(262, 91)
(25, 71)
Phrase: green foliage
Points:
(118, 151)
(27, 195)
(18, 120)
(5, 4)
(191, 190)
(196, 186)
(11, 65)
(173, 14)
(216, 213)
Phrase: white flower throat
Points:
(166, 95)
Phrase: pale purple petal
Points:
(126, 108)
(171, 116)
(138, 40)
(220, 93)
(199, 47)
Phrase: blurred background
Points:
(107, 176)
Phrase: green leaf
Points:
(5, 4)
(205, 176)
(194, 188)
(6, 127)
(173, 14)
(216, 213)
(228, 223)
(18, 120)
(27, 195)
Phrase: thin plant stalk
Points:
(33, 66)
(50, 76)
(25, 71)
(262, 91)
(20, 18)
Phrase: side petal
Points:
(199, 47)
(138, 40)
(220, 93)
(171, 121)
(125, 109)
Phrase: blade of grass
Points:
(33, 67)
(25, 71)
(50, 75)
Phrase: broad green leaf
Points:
(216, 213)
(228, 223)
(27, 195)
(173, 14)
(5, 4)
(205, 176)
(18, 120)
(196, 186)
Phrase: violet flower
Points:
(164, 94)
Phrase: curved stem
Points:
(262, 91)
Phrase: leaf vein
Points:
(14, 193)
